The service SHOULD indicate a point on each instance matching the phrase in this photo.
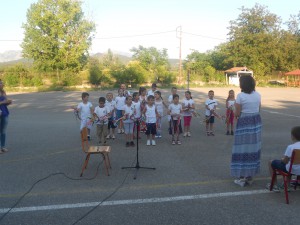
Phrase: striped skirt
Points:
(245, 161)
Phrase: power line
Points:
(200, 35)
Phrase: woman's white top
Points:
(249, 102)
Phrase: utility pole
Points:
(179, 35)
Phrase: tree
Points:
(254, 38)
(57, 37)
(152, 60)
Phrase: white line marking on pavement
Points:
(134, 201)
(274, 112)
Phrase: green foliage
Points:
(57, 37)
(152, 60)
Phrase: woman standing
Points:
(245, 161)
(4, 102)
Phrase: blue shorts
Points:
(279, 165)
(210, 119)
(151, 128)
(119, 114)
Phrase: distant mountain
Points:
(13, 57)
(10, 56)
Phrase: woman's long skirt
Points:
(245, 161)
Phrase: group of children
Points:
(143, 111)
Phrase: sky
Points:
(124, 24)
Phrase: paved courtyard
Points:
(191, 183)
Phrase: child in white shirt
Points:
(102, 113)
(85, 108)
(150, 114)
(120, 102)
(210, 108)
(137, 112)
(128, 115)
(111, 104)
(188, 107)
(175, 110)
(159, 104)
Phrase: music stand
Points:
(137, 165)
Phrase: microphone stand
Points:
(137, 165)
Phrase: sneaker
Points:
(227, 133)
(122, 131)
(207, 133)
(173, 142)
(275, 187)
(178, 142)
(249, 180)
(4, 150)
(232, 133)
(185, 134)
(212, 134)
(148, 142)
(159, 136)
(153, 142)
(113, 137)
(132, 144)
(188, 134)
(119, 131)
(127, 144)
(241, 182)
(156, 136)
(108, 136)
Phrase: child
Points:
(210, 108)
(102, 114)
(137, 112)
(188, 106)
(159, 104)
(143, 100)
(230, 101)
(152, 91)
(170, 99)
(175, 109)
(150, 114)
(86, 110)
(128, 114)
(120, 102)
(173, 92)
(111, 104)
(284, 163)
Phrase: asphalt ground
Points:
(191, 183)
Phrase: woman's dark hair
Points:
(247, 84)
(295, 132)
(159, 93)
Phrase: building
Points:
(233, 75)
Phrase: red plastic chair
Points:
(295, 160)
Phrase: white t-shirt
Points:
(230, 104)
(210, 103)
(249, 102)
(170, 99)
(159, 107)
(137, 109)
(128, 111)
(186, 103)
(175, 109)
(150, 92)
(85, 110)
(120, 102)
(112, 106)
(150, 114)
(288, 153)
(102, 114)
